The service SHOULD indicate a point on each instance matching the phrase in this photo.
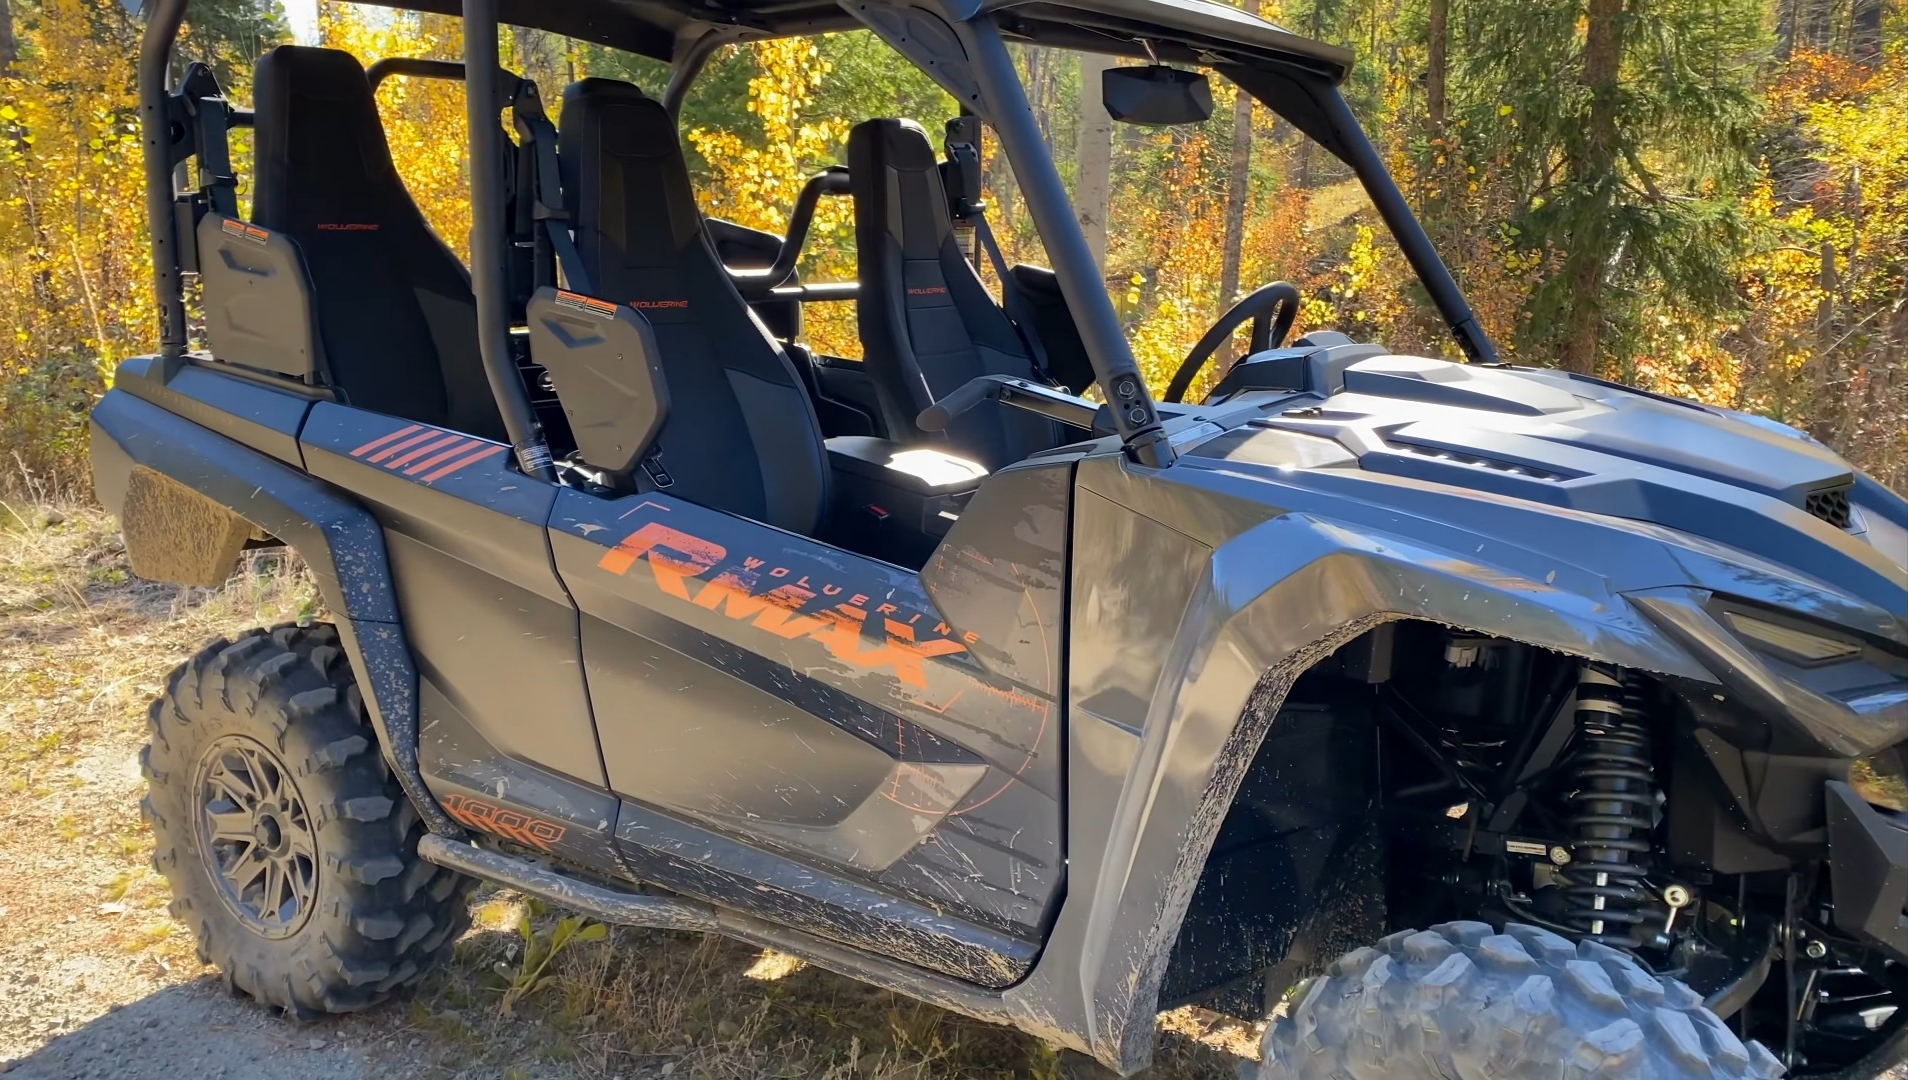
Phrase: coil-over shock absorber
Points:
(1614, 803)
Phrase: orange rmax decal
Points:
(782, 607)
(509, 824)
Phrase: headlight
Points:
(1882, 780)
(1789, 643)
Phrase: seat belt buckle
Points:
(653, 468)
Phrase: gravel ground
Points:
(195, 1031)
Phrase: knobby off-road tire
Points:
(1463, 1001)
(270, 730)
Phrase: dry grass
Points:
(84, 647)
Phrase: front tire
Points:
(1460, 1000)
(290, 848)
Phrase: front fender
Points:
(1153, 769)
(339, 540)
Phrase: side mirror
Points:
(1156, 95)
(602, 359)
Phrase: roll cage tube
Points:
(1135, 416)
(155, 132)
(1314, 105)
(488, 269)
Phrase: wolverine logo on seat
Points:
(509, 824)
(676, 559)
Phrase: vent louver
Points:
(1829, 504)
(1461, 458)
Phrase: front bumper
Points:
(1868, 869)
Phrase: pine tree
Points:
(1628, 125)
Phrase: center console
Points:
(896, 502)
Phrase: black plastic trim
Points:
(609, 905)
(238, 408)
(729, 873)
(341, 543)
(1868, 870)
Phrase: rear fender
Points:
(174, 483)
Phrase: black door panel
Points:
(492, 631)
(815, 703)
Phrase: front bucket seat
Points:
(928, 324)
(741, 434)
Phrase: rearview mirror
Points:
(1156, 95)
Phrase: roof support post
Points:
(1356, 150)
(1005, 107)
(155, 132)
(489, 276)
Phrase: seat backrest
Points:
(394, 306)
(741, 434)
(928, 324)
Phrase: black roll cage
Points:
(961, 44)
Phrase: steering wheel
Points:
(1272, 308)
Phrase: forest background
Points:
(1706, 198)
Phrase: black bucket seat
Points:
(927, 323)
(741, 434)
(394, 306)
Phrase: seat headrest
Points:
(620, 151)
(319, 134)
(896, 179)
(900, 144)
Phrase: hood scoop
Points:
(1439, 382)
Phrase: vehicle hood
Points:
(1761, 494)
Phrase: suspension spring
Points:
(1614, 804)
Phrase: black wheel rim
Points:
(256, 836)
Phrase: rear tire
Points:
(1460, 1000)
(290, 848)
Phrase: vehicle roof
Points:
(1183, 31)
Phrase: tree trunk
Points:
(1238, 187)
(1865, 31)
(1593, 164)
(1786, 17)
(1438, 43)
(1302, 173)
(1815, 21)
(1094, 155)
(9, 47)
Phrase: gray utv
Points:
(924, 667)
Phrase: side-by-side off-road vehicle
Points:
(968, 668)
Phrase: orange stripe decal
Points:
(421, 449)
(382, 439)
(469, 459)
(427, 433)
(440, 457)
